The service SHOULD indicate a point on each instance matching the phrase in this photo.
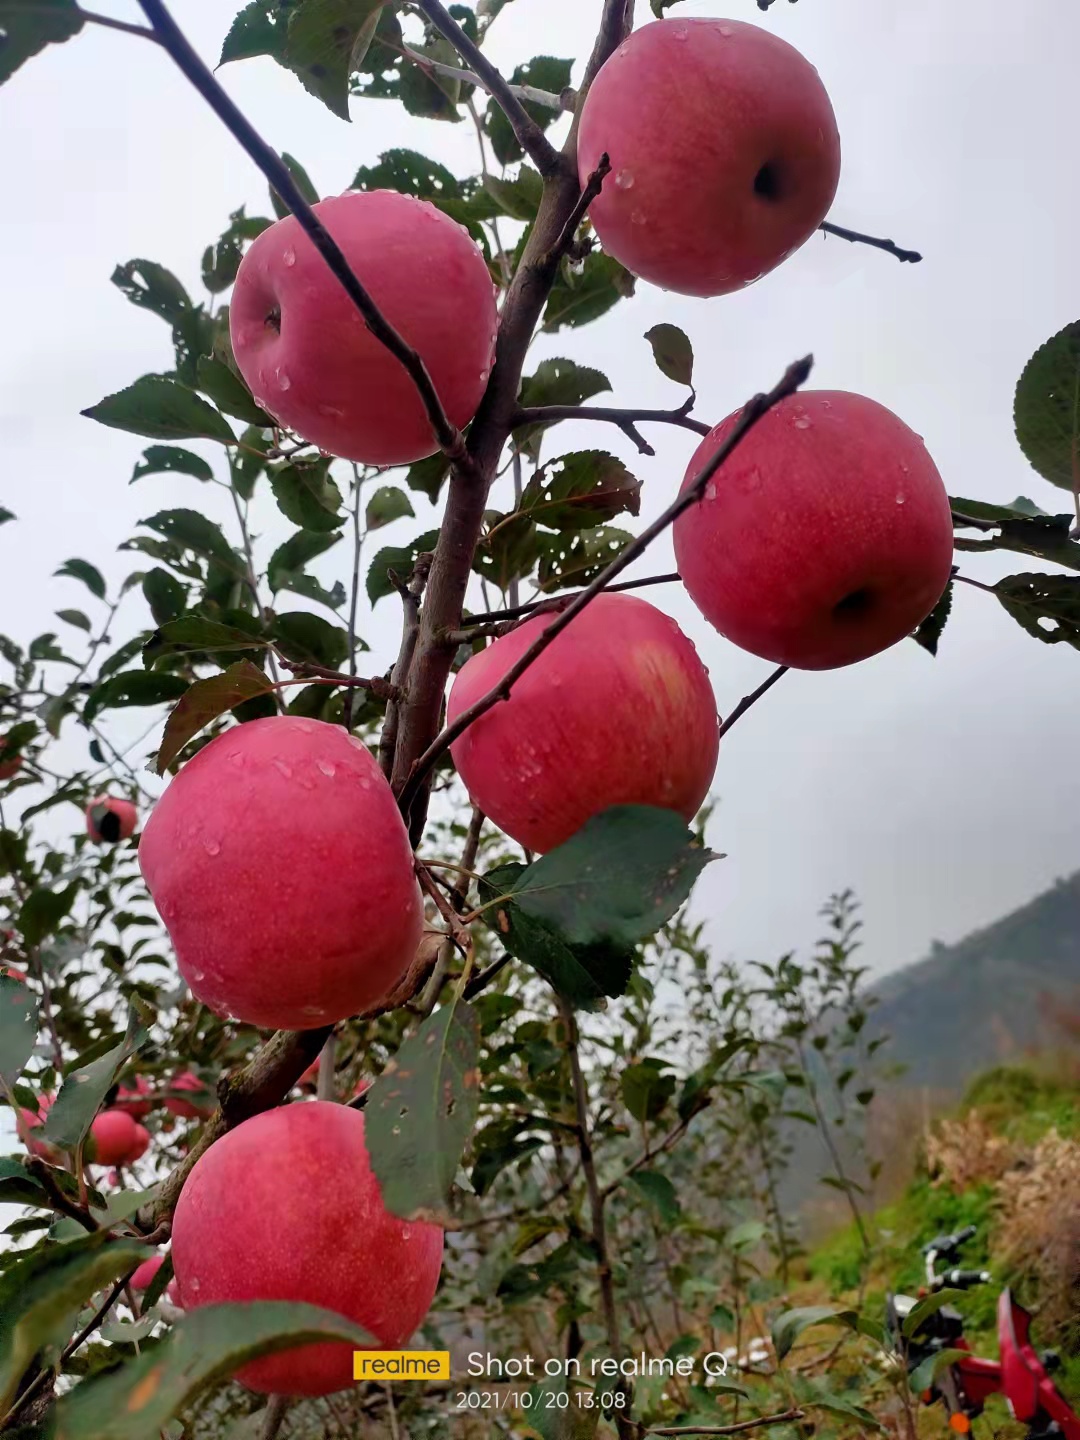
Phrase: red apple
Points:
(11, 766)
(824, 538)
(189, 1109)
(146, 1272)
(109, 820)
(130, 1099)
(117, 1139)
(724, 153)
(283, 872)
(13, 972)
(618, 710)
(311, 361)
(286, 1207)
(34, 1121)
(311, 1074)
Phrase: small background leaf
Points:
(673, 353)
(1046, 409)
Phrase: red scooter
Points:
(964, 1383)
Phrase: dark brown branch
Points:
(484, 979)
(592, 189)
(91, 17)
(627, 420)
(384, 689)
(555, 602)
(530, 136)
(752, 699)
(752, 412)
(889, 246)
(789, 1417)
(42, 1173)
(277, 173)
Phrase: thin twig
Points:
(788, 1417)
(42, 1173)
(547, 99)
(91, 17)
(752, 699)
(253, 586)
(592, 189)
(274, 1415)
(484, 979)
(752, 412)
(554, 602)
(626, 419)
(277, 173)
(889, 246)
(530, 136)
(354, 593)
(305, 669)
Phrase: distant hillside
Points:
(988, 998)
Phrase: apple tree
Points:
(445, 894)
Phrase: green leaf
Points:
(570, 561)
(74, 617)
(426, 477)
(43, 911)
(303, 183)
(289, 559)
(163, 410)
(509, 549)
(788, 1326)
(421, 1111)
(259, 29)
(303, 636)
(133, 687)
(927, 1306)
(6, 515)
(660, 1193)
(17, 1186)
(386, 505)
(578, 491)
(577, 1417)
(18, 1025)
(429, 94)
(205, 701)
(89, 574)
(229, 393)
(326, 44)
(581, 974)
(192, 634)
(673, 353)
(27, 26)
(646, 1089)
(400, 558)
(164, 594)
(578, 299)
(544, 72)
(1046, 410)
(41, 1295)
(151, 287)
(562, 382)
(518, 196)
(307, 496)
(207, 1346)
(171, 459)
(193, 531)
(83, 1091)
(1047, 606)
(927, 1371)
(221, 261)
(928, 634)
(409, 173)
(248, 461)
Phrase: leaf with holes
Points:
(18, 1027)
(259, 29)
(673, 353)
(1047, 606)
(27, 26)
(193, 531)
(171, 459)
(1021, 527)
(1046, 409)
(583, 974)
(578, 299)
(387, 505)
(399, 558)
(421, 1110)
(929, 632)
(518, 196)
(150, 286)
(132, 687)
(205, 701)
(83, 1091)
(508, 550)
(42, 1293)
(561, 382)
(581, 490)
(409, 173)
(326, 44)
(568, 561)
(307, 495)
(161, 409)
(205, 1348)
(429, 93)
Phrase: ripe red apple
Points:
(146, 1272)
(34, 1121)
(825, 537)
(117, 1139)
(311, 1074)
(310, 359)
(14, 973)
(618, 710)
(130, 1098)
(283, 872)
(109, 820)
(189, 1109)
(11, 766)
(286, 1207)
(724, 153)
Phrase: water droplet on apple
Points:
(237, 759)
(900, 499)
(624, 48)
(315, 1011)
(289, 257)
(198, 976)
(305, 727)
(639, 218)
(681, 32)
(283, 380)
(725, 30)
(484, 374)
(710, 491)
(284, 769)
(327, 769)
(212, 847)
(802, 422)
(332, 410)
(624, 180)
(259, 401)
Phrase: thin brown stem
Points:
(354, 590)
(626, 419)
(91, 17)
(857, 238)
(751, 413)
(305, 670)
(555, 602)
(274, 1416)
(752, 699)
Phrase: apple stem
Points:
(752, 699)
(857, 238)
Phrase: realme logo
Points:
(401, 1365)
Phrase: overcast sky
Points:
(944, 792)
